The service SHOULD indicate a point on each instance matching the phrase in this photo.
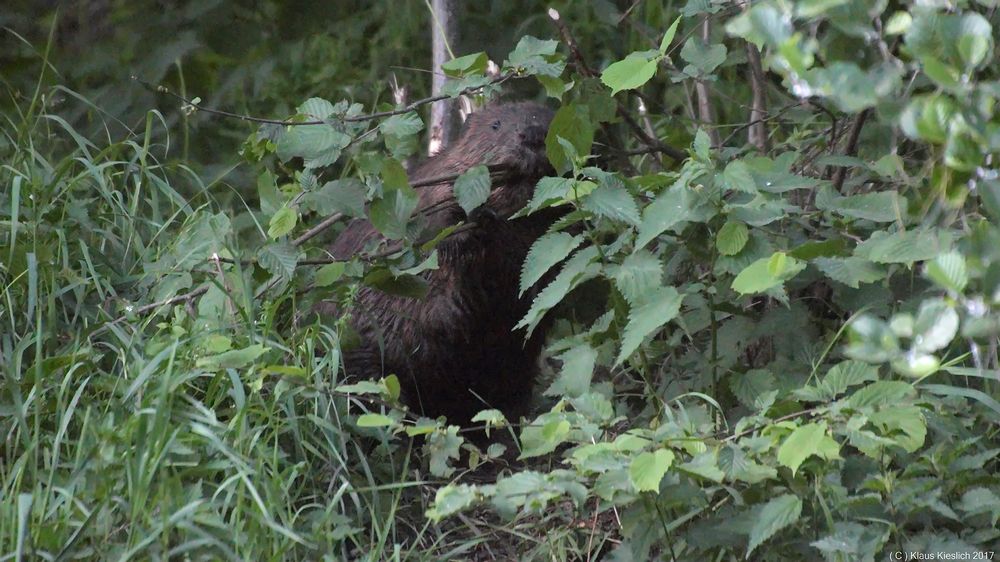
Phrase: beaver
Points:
(455, 351)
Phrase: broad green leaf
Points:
(575, 373)
(572, 123)
(550, 191)
(846, 374)
(402, 125)
(904, 246)
(639, 274)
(279, 258)
(374, 420)
(330, 273)
(345, 196)
(536, 56)
(776, 514)
(444, 445)
(468, 64)
(317, 145)
(390, 214)
(850, 271)
(767, 273)
(670, 207)
(737, 177)
(904, 424)
(630, 73)
(578, 269)
(703, 59)
(658, 308)
(884, 206)
(282, 222)
(451, 499)
(647, 469)
(801, 444)
(732, 237)
(615, 203)
(316, 108)
(232, 359)
(975, 40)
(543, 435)
(935, 327)
(948, 271)
(472, 188)
(871, 340)
(880, 393)
(546, 252)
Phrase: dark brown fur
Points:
(455, 351)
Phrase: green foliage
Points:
(782, 348)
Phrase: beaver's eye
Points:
(496, 125)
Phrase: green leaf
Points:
(536, 56)
(546, 252)
(948, 271)
(670, 208)
(317, 145)
(658, 308)
(629, 73)
(282, 222)
(647, 469)
(390, 214)
(279, 258)
(315, 108)
(846, 374)
(578, 269)
(975, 40)
(402, 125)
(572, 123)
(801, 444)
(884, 206)
(775, 516)
(444, 445)
(904, 246)
(345, 196)
(330, 273)
(737, 177)
(907, 420)
(615, 203)
(232, 359)
(935, 327)
(638, 275)
(451, 499)
(374, 420)
(850, 271)
(732, 237)
(703, 59)
(881, 393)
(669, 36)
(767, 273)
(550, 191)
(544, 434)
(575, 374)
(468, 64)
(472, 188)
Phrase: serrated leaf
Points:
(315, 108)
(904, 246)
(571, 123)
(345, 196)
(550, 191)
(884, 206)
(801, 444)
(282, 222)
(279, 258)
(578, 269)
(737, 177)
(846, 374)
(907, 420)
(670, 207)
(850, 271)
(546, 252)
(703, 59)
(647, 469)
(732, 237)
(629, 73)
(638, 275)
(615, 203)
(472, 188)
(452, 499)
(536, 56)
(880, 393)
(390, 213)
(317, 145)
(658, 308)
(402, 125)
(575, 373)
(948, 271)
(776, 514)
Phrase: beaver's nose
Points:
(534, 135)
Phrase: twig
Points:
(705, 112)
(852, 148)
(353, 119)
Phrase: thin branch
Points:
(705, 112)
(353, 119)
(852, 148)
